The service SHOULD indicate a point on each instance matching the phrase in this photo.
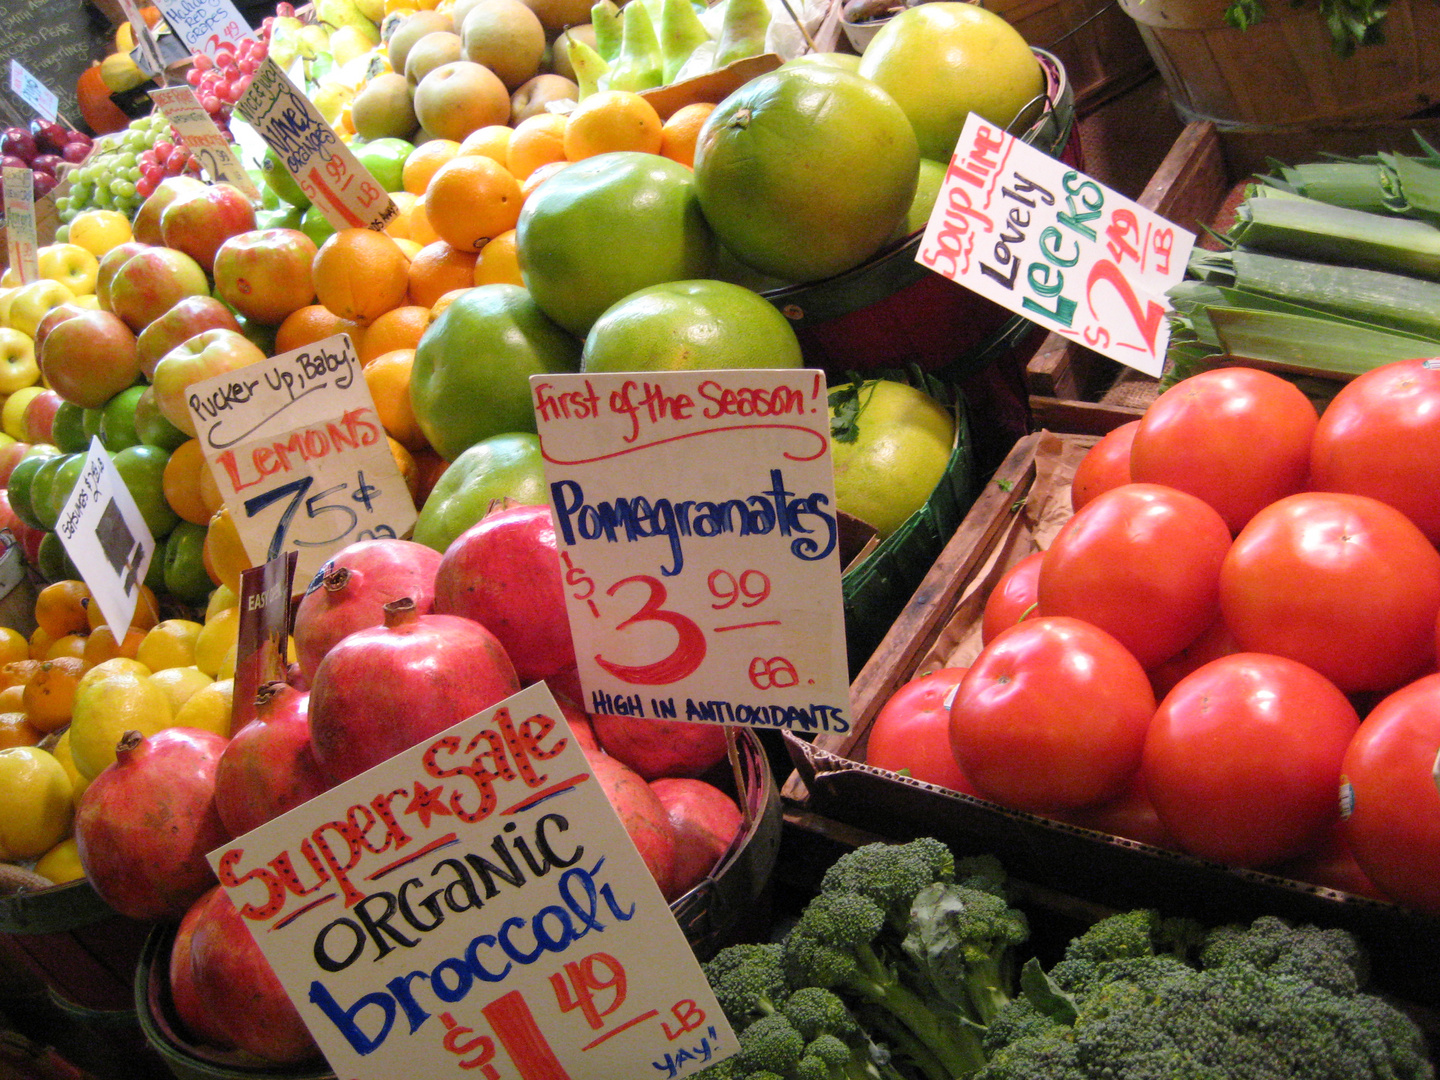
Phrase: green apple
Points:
(279, 181)
(385, 160)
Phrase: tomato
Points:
(1380, 436)
(1333, 865)
(1212, 644)
(1051, 716)
(1131, 816)
(1013, 597)
(1142, 562)
(1341, 583)
(1390, 800)
(911, 732)
(1237, 437)
(1104, 466)
(1242, 759)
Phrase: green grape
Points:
(62, 234)
(80, 192)
(122, 188)
(62, 204)
(126, 160)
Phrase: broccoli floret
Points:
(748, 980)
(982, 872)
(815, 1011)
(891, 874)
(964, 940)
(1329, 958)
(770, 1044)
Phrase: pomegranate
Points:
(642, 814)
(351, 590)
(198, 1022)
(504, 573)
(579, 721)
(144, 824)
(383, 689)
(656, 748)
(240, 990)
(706, 822)
(269, 766)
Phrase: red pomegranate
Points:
(240, 990)
(352, 589)
(198, 1021)
(269, 766)
(579, 721)
(144, 824)
(706, 822)
(656, 748)
(643, 815)
(504, 573)
(381, 690)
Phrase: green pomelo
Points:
(507, 466)
(927, 190)
(805, 172)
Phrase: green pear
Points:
(638, 67)
(680, 31)
(605, 18)
(743, 32)
(590, 68)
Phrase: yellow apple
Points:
(30, 302)
(88, 300)
(71, 265)
(7, 293)
(18, 368)
(12, 413)
(97, 231)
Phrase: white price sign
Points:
(33, 92)
(198, 132)
(205, 26)
(20, 223)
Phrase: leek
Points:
(1309, 229)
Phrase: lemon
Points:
(61, 750)
(209, 708)
(169, 644)
(116, 665)
(109, 706)
(180, 683)
(221, 598)
(220, 632)
(61, 863)
(37, 804)
(226, 670)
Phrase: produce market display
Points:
(1214, 645)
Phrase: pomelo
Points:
(942, 60)
(806, 171)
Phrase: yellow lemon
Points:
(226, 670)
(180, 683)
(61, 863)
(117, 702)
(97, 231)
(61, 750)
(221, 598)
(169, 644)
(209, 708)
(115, 665)
(36, 802)
(215, 639)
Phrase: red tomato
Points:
(1104, 466)
(1237, 437)
(1012, 598)
(1393, 823)
(1341, 583)
(1142, 562)
(1131, 816)
(1051, 716)
(912, 732)
(1380, 436)
(1242, 760)
(1333, 865)
(1212, 644)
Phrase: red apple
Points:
(265, 273)
(192, 315)
(209, 353)
(28, 535)
(198, 223)
(149, 284)
(10, 455)
(146, 225)
(53, 318)
(39, 417)
(110, 262)
(89, 358)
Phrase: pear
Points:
(590, 67)
(743, 32)
(347, 43)
(605, 20)
(638, 67)
(680, 31)
(338, 13)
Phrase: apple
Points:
(10, 454)
(213, 352)
(12, 413)
(110, 262)
(150, 283)
(191, 316)
(264, 274)
(42, 182)
(146, 226)
(76, 152)
(20, 142)
(53, 318)
(50, 135)
(48, 162)
(30, 303)
(89, 358)
(38, 419)
(18, 367)
(198, 223)
(12, 161)
(69, 264)
(28, 536)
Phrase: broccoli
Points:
(964, 940)
(748, 980)
(771, 1044)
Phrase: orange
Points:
(181, 482)
(471, 199)
(360, 274)
(223, 552)
(499, 263)
(13, 645)
(19, 672)
(314, 323)
(681, 131)
(398, 328)
(538, 140)
(12, 698)
(16, 730)
(388, 377)
(145, 615)
(409, 471)
(101, 645)
(422, 162)
(435, 271)
(399, 226)
(429, 465)
(40, 642)
(421, 231)
(60, 608)
(492, 141)
(446, 299)
(539, 176)
(69, 645)
(210, 493)
(612, 120)
(50, 694)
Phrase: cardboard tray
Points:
(1023, 504)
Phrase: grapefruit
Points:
(767, 163)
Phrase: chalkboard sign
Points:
(55, 42)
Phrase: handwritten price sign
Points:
(33, 92)
(473, 907)
(198, 132)
(300, 455)
(323, 166)
(695, 516)
(205, 25)
(20, 223)
(1035, 236)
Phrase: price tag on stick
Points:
(204, 139)
(33, 92)
(1045, 241)
(145, 40)
(20, 223)
(300, 455)
(205, 26)
(312, 153)
(696, 525)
